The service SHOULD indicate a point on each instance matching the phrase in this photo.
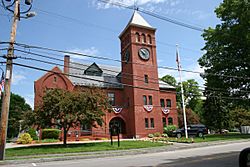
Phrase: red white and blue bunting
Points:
(165, 110)
(148, 108)
(117, 110)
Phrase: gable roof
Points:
(110, 76)
(107, 75)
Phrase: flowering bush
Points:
(24, 139)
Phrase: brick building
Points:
(142, 104)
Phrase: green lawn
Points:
(75, 148)
(214, 137)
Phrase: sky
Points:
(92, 27)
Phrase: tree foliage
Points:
(191, 90)
(193, 101)
(66, 109)
(216, 114)
(227, 62)
(18, 107)
(191, 116)
(169, 79)
(228, 53)
(192, 93)
(240, 117)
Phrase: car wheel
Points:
(178, 135)
(200, 134)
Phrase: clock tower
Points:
(140, 76)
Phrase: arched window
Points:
(149, 39)
(143, 38)
(137, 37)
(170, 121)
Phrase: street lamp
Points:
(13, 7)
(10, 6)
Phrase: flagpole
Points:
(178, 61)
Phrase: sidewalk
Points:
(101, 154)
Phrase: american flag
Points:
(178, 60)
(2, 83)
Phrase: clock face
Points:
(144, 53)
(127, 56)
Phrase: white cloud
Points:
(101, 5)
(92, 51)
(201, 15)
(17, 78)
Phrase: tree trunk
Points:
(65, 136)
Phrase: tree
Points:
(228, 55)
(169, 79)
(70, 109)
(240, 117)
(18, 107)
(192, 93)
(216, 115)
(192, 117)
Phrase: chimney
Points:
(66, 64)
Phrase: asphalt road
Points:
(212, 156)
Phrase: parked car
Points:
(244, 158)
(193, 130)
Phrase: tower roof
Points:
(137, 20)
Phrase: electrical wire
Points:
(137, 87)
(164, 18)
(51, 63)
(116, 60)
(92, 79)
(38, 60)
(101, 27)
(52, 58)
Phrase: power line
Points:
(116, 60)
(51, 63)
(52, 58)
(176, 22)
(91, 79)
(100, 27)
(75, 20)
(138, 87)
(39, 60)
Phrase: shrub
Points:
(24, 139)
(169, 129)
(33, 134)
(50, 133)
(150, 135)
(165, 135)
(157, 134)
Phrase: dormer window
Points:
(93, 70)
(137, 37)
(143, 38)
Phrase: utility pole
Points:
(9, 66)
(8, 77)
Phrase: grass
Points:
(77, 148)
(214, 137)
(47, 141)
